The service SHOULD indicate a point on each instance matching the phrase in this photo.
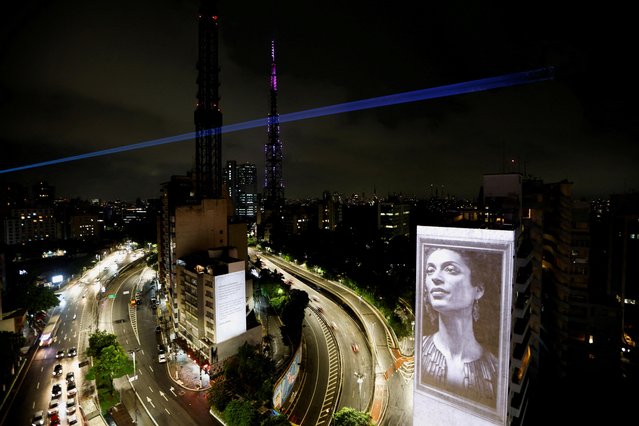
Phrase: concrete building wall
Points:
(203, 225)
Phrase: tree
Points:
(348, 416)
(112, 363)
(219, 395)
(293, 316)
(100, 340)
(41, 299)
(240, 413)
(250, 374)
(35, 298)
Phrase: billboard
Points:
(230, 306)
(283, 388)
(462, 325)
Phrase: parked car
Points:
(56, 390)
(57, 370)
(53, 407)
(73, 420)
(71, 407)
(71, 390)
(54, 420)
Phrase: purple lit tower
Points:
(207, 115)
(273, 182)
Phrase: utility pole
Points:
(131, 379)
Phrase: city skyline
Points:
(79, 78)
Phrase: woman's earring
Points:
(476, 310)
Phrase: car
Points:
(333, 325)
(53, 408)
(54, 420)
(72, 420)
(158, 329)
(355, 347)
(161, 358)
(161, 349)
(38, 418)
(71, 390)
(59, 354)
(70, 377)
(71, 407)
(72, 352)
(57, 370)
(56, 391)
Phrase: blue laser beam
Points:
(524, 77)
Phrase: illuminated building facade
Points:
(28, 225)
(211, 298)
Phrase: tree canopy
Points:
(293, 316)
(100, 340)
(240, 413)
(110, 360)
(348, 416)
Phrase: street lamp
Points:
(132, 352)
(360, 380)
(131, 379)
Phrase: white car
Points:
(71, 407)
(71, 390)
(73, 420)
(38, 418)
(53, 407)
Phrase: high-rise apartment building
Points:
(329, 211)
(241, 181)
(43, 194)
(394, 219)
(509, 203)
(28, 225)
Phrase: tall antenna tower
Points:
(207, 115)
(273, 181)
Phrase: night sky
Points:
(82, 76)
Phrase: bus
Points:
(49, 331)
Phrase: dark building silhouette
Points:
(208, 116)
(271, 222)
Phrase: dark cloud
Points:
(79, 77)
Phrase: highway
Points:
(386, 377)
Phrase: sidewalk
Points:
(181, 365)
(185, 371)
